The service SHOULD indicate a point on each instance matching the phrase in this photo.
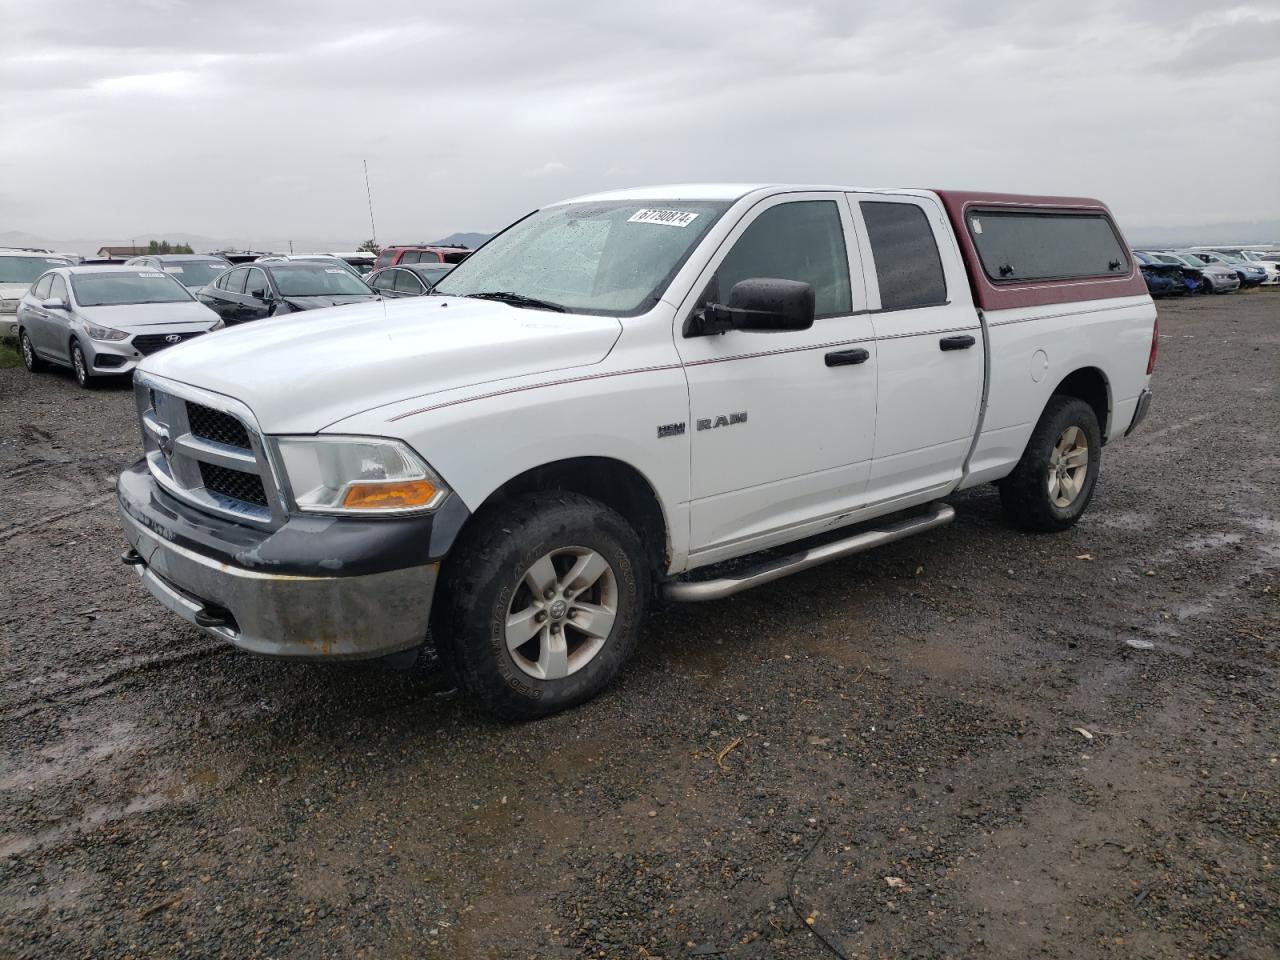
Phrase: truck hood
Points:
(135, 317)
(302, 372)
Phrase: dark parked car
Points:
(191, 270)
(1164, 279)
(414, 280)
(258, 290)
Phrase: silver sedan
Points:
(100, 321)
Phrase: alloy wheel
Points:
(562, 613)
(1068, 467)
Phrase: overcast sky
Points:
(250, 119)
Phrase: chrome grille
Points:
(207, 450)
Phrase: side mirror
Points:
(761, 305)
(54, 303)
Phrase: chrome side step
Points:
(939, 514)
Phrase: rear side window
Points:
(1046, 246)
(235, 281)
(41, 291)
(802, 240)
(908, 267)
(410, 256)
(59, 289)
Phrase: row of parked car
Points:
(1171, 273)
(101, 320)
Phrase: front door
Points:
(929, 344)
(781, 424)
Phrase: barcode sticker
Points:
(334, 270)
(172, 269)
(667, 218)
(976, 224)
(150, 273)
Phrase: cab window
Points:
(908, 267)
(802, 240)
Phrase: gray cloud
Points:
(249, 120)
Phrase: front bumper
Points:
(316, 588)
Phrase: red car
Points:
(420, 253)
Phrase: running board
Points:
(939, 514)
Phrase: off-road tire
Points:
(485, 569)
(29, 359)
(1024, 494)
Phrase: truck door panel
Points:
(779, 437)
(929, 345)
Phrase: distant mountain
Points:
(1244, 232)
(469, 240)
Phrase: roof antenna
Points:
(369, 193)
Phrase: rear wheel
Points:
(81, 367)
(29, 359)
(541, 605)
(1052, 484)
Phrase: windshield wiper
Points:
(518, 300)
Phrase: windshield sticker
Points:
(334, 270)
(150, 273)
(172, 269)
(976, 224)
(54, 260)
(667, 218)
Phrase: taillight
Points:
(1155, 343)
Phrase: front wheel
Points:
(29, 358)
(541, 605)
(81, 367)
(1052, 484)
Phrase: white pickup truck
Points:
(638, 393)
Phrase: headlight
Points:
(8, 306)
(358, 475)
(104, 333)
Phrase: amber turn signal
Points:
(389, 495)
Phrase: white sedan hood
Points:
(302, 372)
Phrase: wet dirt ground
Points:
(976, 742)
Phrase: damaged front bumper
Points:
(315, 588)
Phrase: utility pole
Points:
(369, 194)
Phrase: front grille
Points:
(149, 343)
(207, 451)
(210, 424)
(245, 487)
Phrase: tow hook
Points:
(132, 558)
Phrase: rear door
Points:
(780, 424)
(929, 344)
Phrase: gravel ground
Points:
(976, 742)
